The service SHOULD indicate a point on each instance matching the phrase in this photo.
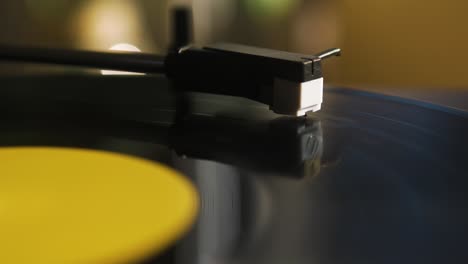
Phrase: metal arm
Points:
(123, 61)
(329, 53)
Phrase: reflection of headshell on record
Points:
(286, 145)
(290, 83)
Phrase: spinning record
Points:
(368, 179)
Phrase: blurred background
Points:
(388, 45)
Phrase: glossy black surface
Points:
(369, 179)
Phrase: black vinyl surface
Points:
(369, 179)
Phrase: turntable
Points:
(263, 168)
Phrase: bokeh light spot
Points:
(104, 23)
(270, 9)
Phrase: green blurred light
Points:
(270, 9)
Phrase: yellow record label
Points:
(60, 205)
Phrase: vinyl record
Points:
(368, 179)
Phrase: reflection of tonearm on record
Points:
(282, 145)
(287, 146)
